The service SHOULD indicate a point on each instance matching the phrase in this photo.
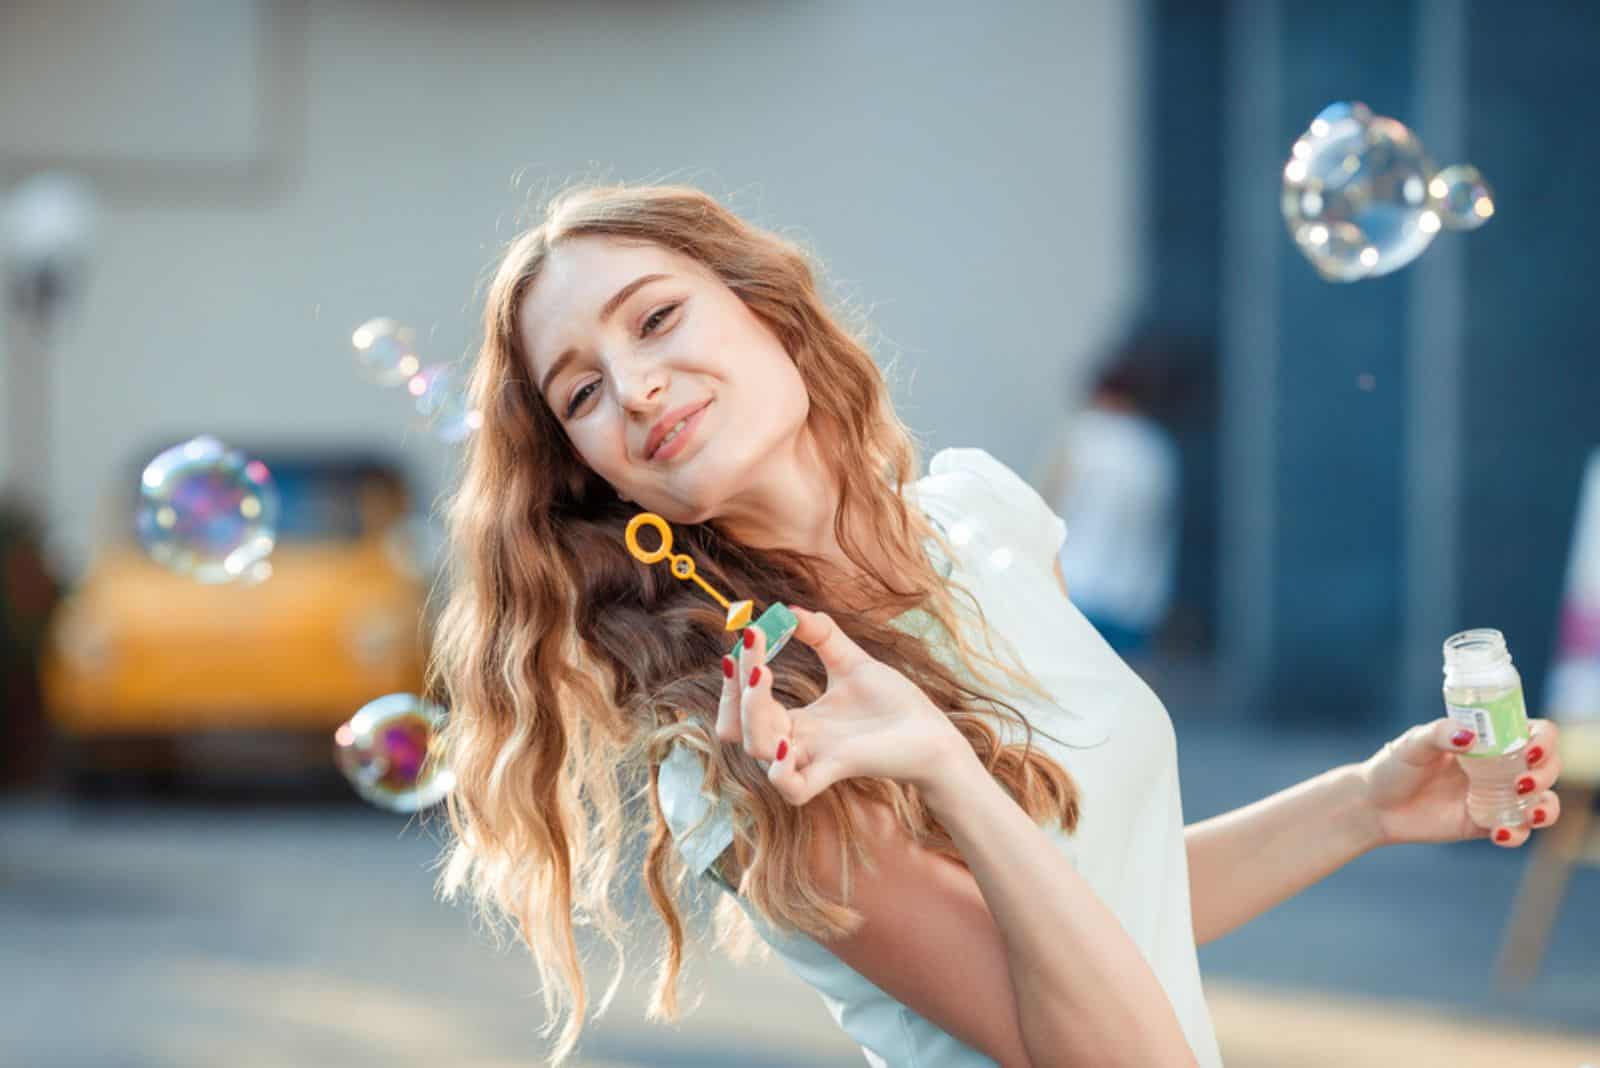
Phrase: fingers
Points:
(729, 726)
(1422, 744)
(1544, 750)
(1541, 757)
(797, 784)
(833, 646)
(763, 720)
(1541, 814)
(1546, 810)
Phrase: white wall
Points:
(969, 177)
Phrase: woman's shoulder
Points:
(970, 484)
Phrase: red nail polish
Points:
(1525, 784)
(783, 748)
(1534, 754)
(1462, 738)
(727, 667)
(749, 638)
(1538, 816)
(755, 674)
(1502, 835)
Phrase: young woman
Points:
(947, 803)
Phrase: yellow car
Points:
(138, 654)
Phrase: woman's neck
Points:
(793, 506)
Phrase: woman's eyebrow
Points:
(606, 312)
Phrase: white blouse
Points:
(1106, 727)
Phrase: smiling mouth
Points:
(684, 426)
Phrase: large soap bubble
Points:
(208, 511)
(1361, 198)
(386, 752)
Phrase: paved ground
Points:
(278, 933)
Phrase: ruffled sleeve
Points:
(701, 826)
(970, 483)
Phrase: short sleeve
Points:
(702, 826)
(971, 479)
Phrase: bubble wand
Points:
(777, 623)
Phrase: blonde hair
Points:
(569, 668)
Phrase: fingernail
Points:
(1538, 816)
(1502, 835)
(727, 667)
(1524, 784)
(755, 674)
(1535, 754)
(783, 748)
(749, 637)
(1462, 738)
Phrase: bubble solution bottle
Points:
(1483, 692)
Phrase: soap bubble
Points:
(1361, 198)
(385, 751)
(386, 350)
(441, 403)
(208, 511)
(1464, 199)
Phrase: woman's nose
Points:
(642, 386)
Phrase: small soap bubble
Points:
(387, 351)
(1462, 198)
(441, 403)
(209, 511)
(386, 752)
(1361, 198)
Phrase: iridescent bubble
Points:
(441, 402)
(209, 511)
(385, 751)
(1339, 250)
(1462, 198)
(1361, 198)
(386, 350)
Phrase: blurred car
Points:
(138, 655)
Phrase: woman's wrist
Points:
(949, 775)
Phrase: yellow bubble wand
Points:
(777, 623)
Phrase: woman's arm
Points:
(1084, 993)
(1242, 863)
(1010, 951)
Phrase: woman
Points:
(958, 820)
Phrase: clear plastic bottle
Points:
(1483, 692)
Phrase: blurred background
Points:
(1058, 216)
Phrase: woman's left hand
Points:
(1418, 792)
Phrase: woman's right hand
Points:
(870, 721)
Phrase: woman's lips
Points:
(676, 445)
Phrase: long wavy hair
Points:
(569, 668)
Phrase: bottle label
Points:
(1499, 724)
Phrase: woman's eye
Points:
(649, 327)
(655, 317)
(579, 397)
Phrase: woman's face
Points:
(613, 357)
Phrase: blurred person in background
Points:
(1114, 474)
(974, 857)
